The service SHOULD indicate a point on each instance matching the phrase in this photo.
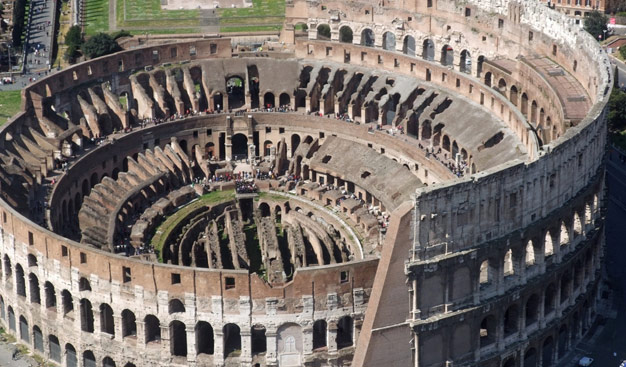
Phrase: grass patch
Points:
(10, 104)
(144, 13)
(96, 16)
(169, 224)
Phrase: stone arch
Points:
(533, 112)
(408, 45)
(284, 100)
(83, 284)
(530, 254)
(447, 56)
(108, 362)
(33, 285)
(37, 339)
(547, 245)
(295, 143)
(524, 105)
(426, 132)
(466, 62)
(502, 86)
(54, 348)
(513, 95)
(509, 268)
(178, 338)
(86, 316)
(20, 282)
(531, 309)
(562, 341)
(323, 32)
(269, 101)
(11, 317)
(205, 341)
(530, 357)
(509, 362)
(345, 332)
(289, 337)
(7, 267)
(70, 356)
(445, 144)
(129, 324)
(549, 301)
(345, 34)
(511, 320)
(175, 306)
(564, 234)
(566, 282)
(389, 41)
(89, 360)
(24, 330)
(232, 339)
(93, 181)
(235, 88)
(319, 334)
(578, 227)
(367, 37)
(479, 65)
(240, 146)
(487, 272)
(428, 50)
(32, 260)
(488, 78)
(152, 329)
(68, 303)
(487, 333)
(267, 146)
(547, 351)
(258, 344)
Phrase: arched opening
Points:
(513, 95)
(295, 142)
(153, 329)
(530, 358)
(566, 286)
(445, 144)
(258, 340)
(323, 32)
(428, 50)
(466, 62)
(408, 46)
(319, 334)
(68, 304)
(20, 281)
(486, 273)
(530, 254)
(108, 362)
(285, 100)
(268, 100)
(7, 268)
(426, 130)
(447, 55)
(479, 65)
(204, 338)
(240, 147)
(236, 92)
(83, 284)
(509, 362)
(563, 336)
(502, 86)
(578, 227)
(232, 340)
(564, 235)
(301, 29)
(54, 348)
(367, 37)
(24, 330)
(86, 316)
(175, 306)
(129, 324)
(389, 41)
(94, 179)
(548, 352)
(218, 101)
(35, 295)
(265, 209)
(533, 112)
(532, 310)
(508, 263)
(178, 339)
(11, 318)
(344, 332)
(488, 331)
(89, 360)
(183, 145)
(267, 148)
(488, 79)
(511, 320)
(549, 301)
(345, 34)
(70, 356)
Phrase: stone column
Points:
(117, 323)
(141, 335)
(331, 336)
(246, 347)
(218, 347)
(191, 343)
(541, 318)
(271, 353)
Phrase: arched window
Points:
(129, 324)
(178, 338)
(175, 305)
(106, 319)
(205, 341)
(319, 334)
(344, 332)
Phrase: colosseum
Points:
(391, 183)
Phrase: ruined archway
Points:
(367, 38)
(408, 46)
(345, 34)
(240, 147)
(428, 50)
(389, 41)
(235, 88)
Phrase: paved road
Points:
(39, 44)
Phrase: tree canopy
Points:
(595, 24)
(99, 45)
(617, 110)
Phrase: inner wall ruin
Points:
(403, 184)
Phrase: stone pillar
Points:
(246, 347)
(96, 319)
(141, 335)
(218, 347)
(331, 336)
(541, 318)
(500, 276)
(271, 353)
(117, 323)
(307, 104)
(191, 343)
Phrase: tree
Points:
(99, 45)
(595, 24)
(622, 51)
(19, 11)
(617, 110)
(74, 37)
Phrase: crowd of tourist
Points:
(243, 186)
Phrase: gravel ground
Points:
(10, 358)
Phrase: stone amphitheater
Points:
(394, 182)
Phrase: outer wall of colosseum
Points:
(497, 268)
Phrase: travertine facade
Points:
(431, 194)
